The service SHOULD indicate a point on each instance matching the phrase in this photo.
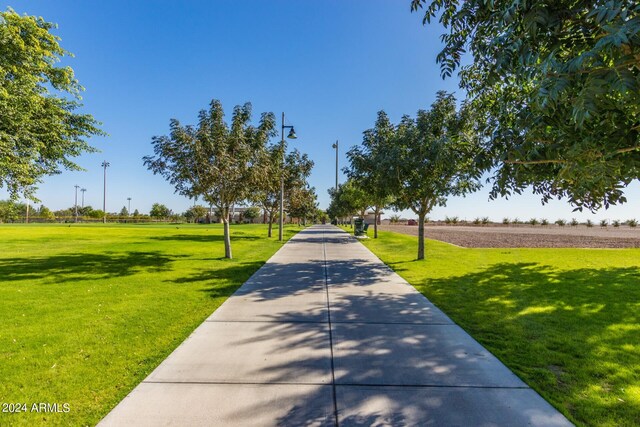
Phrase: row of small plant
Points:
(543, 221)
(574, 222)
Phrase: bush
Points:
(616, 223)
(589, 223)
(544, 221)
(604, 223)
(632, 223)
(561, 222)
(506, 221)
(516, 220)
(476, 221)
(485, 220)
(574, 222)
(533, 221)
(451, 220)
(394, 219)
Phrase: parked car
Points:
(412, 222)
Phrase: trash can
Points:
(358, 229)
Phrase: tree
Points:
(124, 211)
(213, 160)
(10, 211)
(45, 213)
(348, 200)
(297, 169)
(194, 213)
(557, 89)
(251, 213)
(159, 210)
(301, 203)
(39, 130)
(136, 213)
(432, 158)
(366, 166)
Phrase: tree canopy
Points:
(40, 130)
(216, 161)
(557, 89)
(158, 210)
(295, 170)
(367, 166)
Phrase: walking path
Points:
(324, 334)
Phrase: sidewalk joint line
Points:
(234, 383)
(326, 286)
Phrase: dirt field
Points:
(523, 236)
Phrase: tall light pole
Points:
(76, 202)
(129, 209)
(83, 191)
(336, 147)
(292, 135)
(104, 165)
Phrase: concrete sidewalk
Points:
(325, 334)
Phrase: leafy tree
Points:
(348, 200)
(194, 213)
(213, 160)
(45, 213)
(159, 210)
(431, 159)
(301, 203)
(10, 211)
(136, 213)
(251, 213)
(557, 89)
(367, 166)
(39, 129)
(320, 216)
(97, 213)
(124, 211)
(297, 169)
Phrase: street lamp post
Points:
(292, 135)
(76, 202)
(83, 190)
(104, 165)
(336, 147)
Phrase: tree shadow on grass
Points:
(199, 238)
(568, 333)
(223, 281)
(79, 266)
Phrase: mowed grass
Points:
(87, 311)
(567, 321)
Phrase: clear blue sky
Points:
(329, 65)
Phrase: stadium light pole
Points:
(292, 135)
(83, 191)
(104, 165)
(76, 202)
(129, 208)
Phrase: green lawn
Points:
(87, 311)
(567, 321)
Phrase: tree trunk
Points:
(227, 237)
(271, 215)
(375, 222)
(421, 216)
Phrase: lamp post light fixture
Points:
(336, 147)
(104, 165)
(292, 135)
(76, 203)
(83, 191)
